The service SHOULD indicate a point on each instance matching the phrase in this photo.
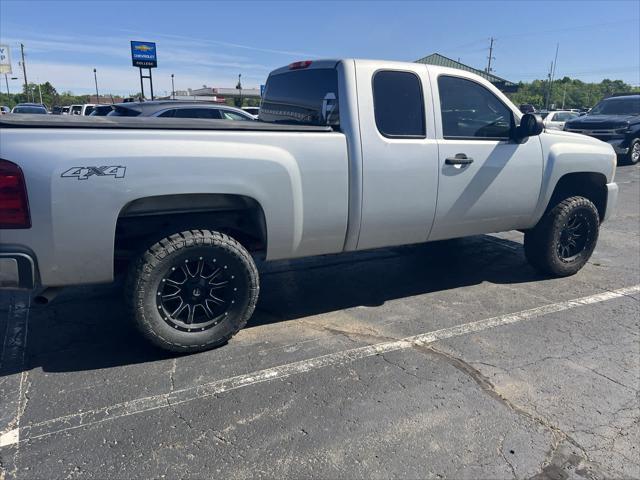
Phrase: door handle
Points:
(459, 159)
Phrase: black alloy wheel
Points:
(192, 290)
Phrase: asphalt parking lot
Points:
(445, 360)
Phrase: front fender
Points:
(566, 153)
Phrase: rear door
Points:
(399, 154)
(488, 182)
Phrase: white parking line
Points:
(154, 402)
(12, 361)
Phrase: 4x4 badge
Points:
(82, 173)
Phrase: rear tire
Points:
(192, 291)
(564, 239)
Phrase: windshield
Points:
(617, 106)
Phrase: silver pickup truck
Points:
(348, 155)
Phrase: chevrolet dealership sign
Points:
(143, 54)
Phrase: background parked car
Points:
(527, 108)
(556, 120)
(101, 110)
(65, 110)
(36, 108)
(4, 110)
(252, 111)
(84, 109)
(615, 120)
(174, 109)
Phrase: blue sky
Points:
(211, 42)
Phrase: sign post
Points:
(143, 55)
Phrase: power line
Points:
(576, 27)
(538, 32)
(584, 72)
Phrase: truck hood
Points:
(569, 137)
(603, 121)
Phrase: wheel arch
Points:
(145, 220)
(591, 185)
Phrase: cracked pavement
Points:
(550, 397)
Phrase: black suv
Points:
(615, 120)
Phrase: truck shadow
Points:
(87, 328)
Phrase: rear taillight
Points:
(14, 205)
(299, 65)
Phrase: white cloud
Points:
(202, 42)
(78, 78)
(68, 61)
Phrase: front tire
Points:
(564, 239)
(192, 291)
(633, 157)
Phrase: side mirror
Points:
(530, 126)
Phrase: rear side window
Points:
(196, 113)
(123, 112)
(398, 104)
(305, 97)
(29, 110)
(229, 115)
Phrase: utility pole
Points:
(546, 101)
(553, 71)
(24, 71)
(173, 88)
(40, 90)
(6, 81)
(564, 94)
(491, 57)
(95, 78)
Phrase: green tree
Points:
(574, 93)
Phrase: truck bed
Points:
(148, 123)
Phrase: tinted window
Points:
(88, 110)
(618, 106)
(101, 110)
(398, 104)
(123, 112)
(38, 110)
(308, 97)
(229, 115)
(197, 113)
(564, 116)
(469, 110)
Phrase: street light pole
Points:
(173, 88)
(40, 91)
(239, 87)
(6, 81)
(95, 78)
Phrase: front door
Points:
(488, 182)
(399, 155)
